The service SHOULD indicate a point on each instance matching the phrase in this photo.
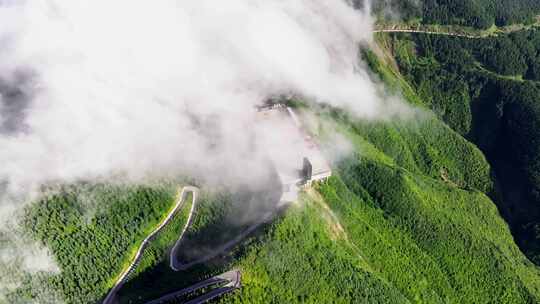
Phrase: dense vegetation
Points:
(224, 214)
(467, 83)
(407, 217)
(404, 220)
(92, 249)
(159, 248)
(474, 13)
(516, 54)
(411, 206)
(221, 214)
(303, 261)
(139, 284)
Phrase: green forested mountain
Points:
(487, 90)
(474, 13)
(409, 219)
(443, 207)
(91, 249)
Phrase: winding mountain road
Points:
(179, 203)
(174, 251)
(177, 266)
(232, 279)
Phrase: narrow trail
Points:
(109, 299)
(429, 33)
(455, 31)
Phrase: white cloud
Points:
(165, 86)
(117, 85)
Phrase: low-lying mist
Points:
(132, 88)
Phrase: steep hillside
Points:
(407, 219)
(92, 231)
(219, 216)
(473, 13)
(487, 90)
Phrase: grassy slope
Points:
(413, 206)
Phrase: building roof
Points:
(282, 128)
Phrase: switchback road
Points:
(179, 203)
(177, 266)
(231, 278)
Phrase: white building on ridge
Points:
(306, 163)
